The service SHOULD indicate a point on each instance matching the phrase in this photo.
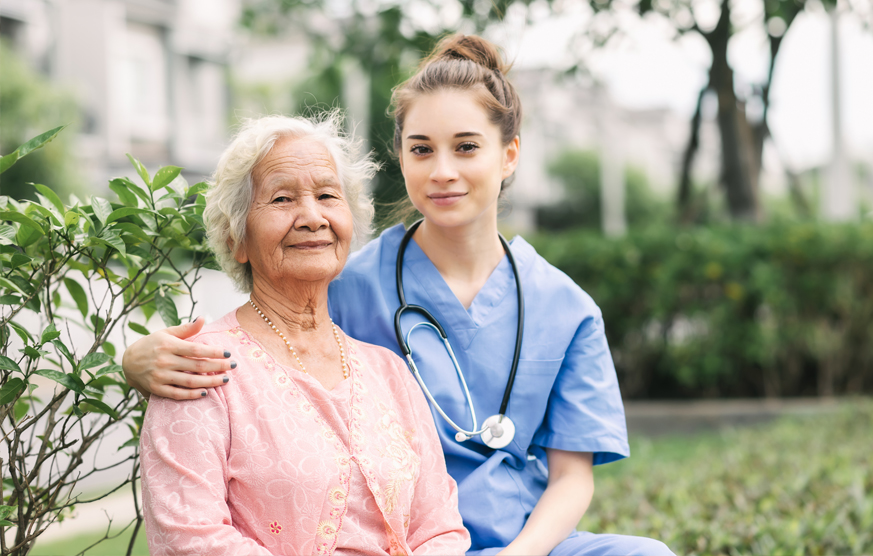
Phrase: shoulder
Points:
(217, 332)
(548, 286)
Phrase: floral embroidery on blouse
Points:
(275, 528)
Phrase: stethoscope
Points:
(498, 430)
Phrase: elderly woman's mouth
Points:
(311, 245)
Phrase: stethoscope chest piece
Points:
(499, 431)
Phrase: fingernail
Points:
(225, 380)
(203, 393)
(233, 364)
(195, 319)
(226, 354)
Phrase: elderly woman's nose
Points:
(309, 215)
(444, 169)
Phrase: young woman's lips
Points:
(445, 199)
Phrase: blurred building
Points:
(149, 75)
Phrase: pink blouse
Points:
(273, 463)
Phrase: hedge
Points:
(777, 310)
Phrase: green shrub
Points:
(777, 310)
(70, 274)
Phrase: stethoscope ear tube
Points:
(498, 430)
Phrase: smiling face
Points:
(453, 159)
(299, 225)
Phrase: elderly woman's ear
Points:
(239, 255)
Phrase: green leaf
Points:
(109, 348)
(138, 328)
(22, 332)
(11, 389)
(65, 351)
(6, 511)
(197, 189)
(122, 212)
(49, 334)
(131, 442)
(9, 285)
(27, 236)
(167, 309)
(90, 404)
(42, 210)
(141, 170)
(92, 360)
(122, 189)
(71, 218)
(20, 409)
(102, 208)
(113, 239)
(133, 230)
(8, 364)
(19, 259)
(72, 382)
(79, 295)
(7, 232)
(7, 161)
(22, 219)
(108, 370)
(53, 198)
(164, 176)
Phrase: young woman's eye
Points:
(420, 149)
(468, 147)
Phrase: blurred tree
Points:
(742, 137)
(380, 36)
(28, 105)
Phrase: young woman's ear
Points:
(510, 157)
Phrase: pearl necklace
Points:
(294, 352)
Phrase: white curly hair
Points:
(229, 197)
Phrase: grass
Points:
(75, 545)
(801, 485)
(798, 486)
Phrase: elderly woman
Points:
(320, 444)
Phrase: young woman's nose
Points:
(309, 215)
(444, 170)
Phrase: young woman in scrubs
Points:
(456, 134)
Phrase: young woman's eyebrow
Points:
(457, 135)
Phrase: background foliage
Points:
(803, 485)
(30, 105)
(782, 309)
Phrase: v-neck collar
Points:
(461, 323)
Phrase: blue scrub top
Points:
(566, 393)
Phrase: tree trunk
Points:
(736, 136)
(684, 200)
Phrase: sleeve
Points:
(435, 526)
(585, 411)
(184, 446)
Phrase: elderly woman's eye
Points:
(282, 199)
(327, 196)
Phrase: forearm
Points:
(556, 515)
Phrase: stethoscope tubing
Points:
(433, 323)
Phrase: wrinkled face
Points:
(299, 226)
(453, 159)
